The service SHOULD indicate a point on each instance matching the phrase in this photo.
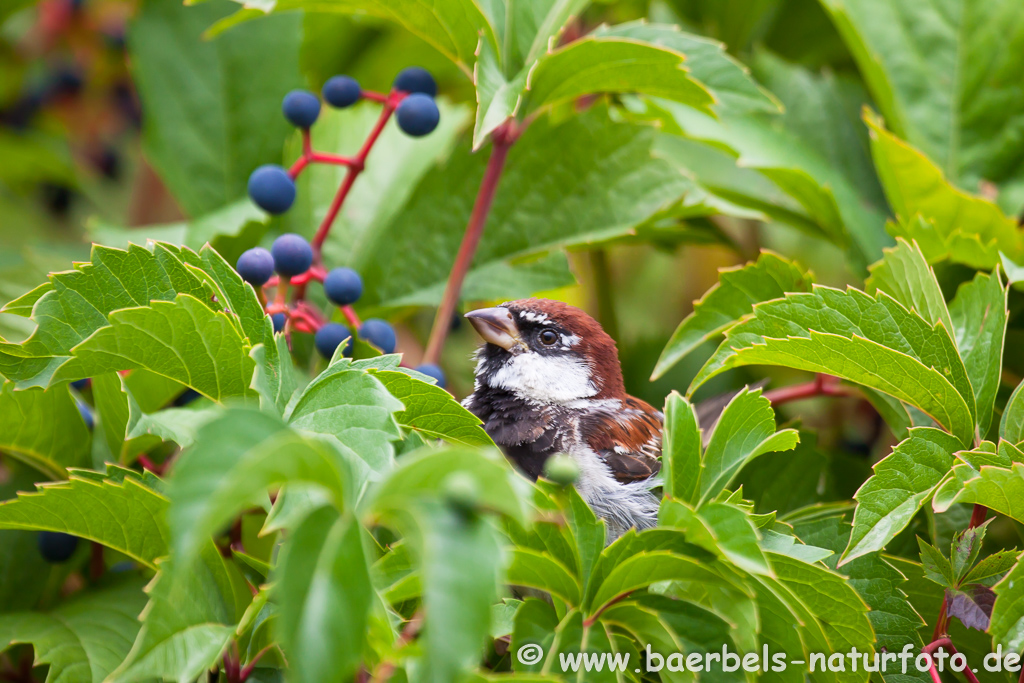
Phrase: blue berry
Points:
(301, 107)
(343, 286)
(329, 337)
(431, 370)
(86, 412)
(292, 255)
(56, 547)
(418, 115)
(416, 79)
(272, 188)
(379, 333)
(185, 397)
(255, 266)
(80, 384)
(279, 319)
(341, 91)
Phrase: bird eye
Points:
(548, 337)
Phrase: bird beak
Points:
(496, 326)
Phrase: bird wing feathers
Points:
(627, 440)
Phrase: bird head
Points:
(546, 351)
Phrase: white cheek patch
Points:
(533, 317)
(548, 379)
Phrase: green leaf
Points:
(901, 483)
(182, 340)
(1000, 489)
(609, 64)
(421, 476)
(322, 587)
(733, 297)
(432, 411)
(355, 408)
(745, 430)
(706, 60)
(1011, 426)
(452, 28)
(873, 341)
(979, 313)
(904, 274)
(601, 185)
(236, 458)
(942, 78)
(1007, 625)
(121, 514)
(213, 113)
(965, 549)
(538, 570)
(995, 565)
(188, 621)
(719, 528)
(461, 563)
(27, 420)
(945, 221)
(83, 639)
(936, 566)
(79, 301)
(528, 27)
(645, 568)
(681, 449)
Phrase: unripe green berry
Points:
(562, 470)
(461, 492)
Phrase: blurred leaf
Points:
(943, 79)
(945, 221)
(27, 420)
(462, 564)
(182, 340)
(745, 430)
(432, 411)
(1011, 426)
(323, 589)
(235, 460)
(643, 569)
(122, 514)
(901, 483)
(873, 341)
(85, 638)
(1007, 626)
(732, 297)
(979, 313)
(213, 111)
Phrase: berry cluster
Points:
(292, 262)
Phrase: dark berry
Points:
(329, 337)
(418, 115)
(379, 333)
(56, 547)
(416, 79)
(341, 91)
(185, 397)
(279, 319)
(343, 286)
(255, 266)
(272, 188)
(80, 384)
(292, 255)
(86, 412)
(431, 370)
(301, 107)
(562, 470)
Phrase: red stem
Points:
(589, 621)
(978, 516)
(944, 644)
(940, 623)
(821, 385)
(96, 566)
(503, 138)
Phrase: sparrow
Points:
(548, 381)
